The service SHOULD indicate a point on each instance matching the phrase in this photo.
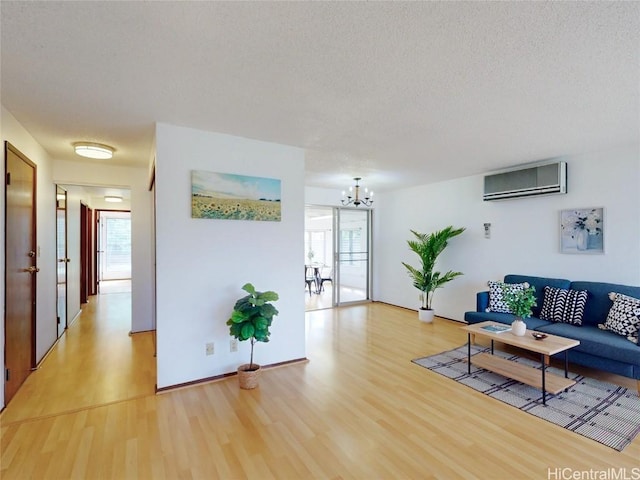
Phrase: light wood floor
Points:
(358, 409)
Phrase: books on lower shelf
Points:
(496, 328)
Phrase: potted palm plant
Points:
(428, 246)
(250, 320)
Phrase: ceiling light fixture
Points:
(112, 199)
(93, 150)
(354, 195)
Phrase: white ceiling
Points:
(399, 93)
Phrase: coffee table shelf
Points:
(522, 373)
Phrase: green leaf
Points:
(236, 330)
(268, 310)
(269, 296)
(247, 331)
(247, 287)
(261, 323)
(238, 316)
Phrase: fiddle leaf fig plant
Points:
(252, 316)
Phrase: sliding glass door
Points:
(352, 244)
(337, 256)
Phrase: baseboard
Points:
(216, 378)
(73, 319)
(415, 310)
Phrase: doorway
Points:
(337, 256)
(114, 251)
(353, 242)
(20, 270)
(62, 259)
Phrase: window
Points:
(350, 245)
(316, 246)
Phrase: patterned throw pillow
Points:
(624, 316)
(574, 307)
(566, 306)
(496, 300)
(553, 304)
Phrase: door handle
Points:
(32, 270)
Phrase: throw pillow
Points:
(496, 300)
(553, 304)
(565, 306)
(574, 307)
(623, 317)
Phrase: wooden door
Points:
(20, 269)
(88, 279)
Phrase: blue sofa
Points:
(600, 349)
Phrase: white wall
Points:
(46, 323)
(136, 179)
(525, 234)
(202, 264)
(322, 196)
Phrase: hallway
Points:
(96, 362)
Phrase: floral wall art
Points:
(234, 197)
(582, 230)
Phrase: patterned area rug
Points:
(601, 411)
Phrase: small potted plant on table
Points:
(250, 320)
(520, 302)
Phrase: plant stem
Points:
(251, 361)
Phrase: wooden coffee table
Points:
(552, 344)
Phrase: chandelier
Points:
(354, 198)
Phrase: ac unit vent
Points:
(550, 178)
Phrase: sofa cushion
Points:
(597, 342)
(598, 301)
(539, 283)
(623, 317)
(533, 323)
(496, 298)
(562, 305)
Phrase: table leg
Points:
(544, 389)
(492, 346)
(566, 364)
(468, 353)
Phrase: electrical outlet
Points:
(209, 348)
(233, 346)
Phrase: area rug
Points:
(606, 413)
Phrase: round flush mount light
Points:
(93, 150)
(113, 199)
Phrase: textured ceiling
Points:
(400, 93)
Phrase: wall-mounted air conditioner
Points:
(544, 179)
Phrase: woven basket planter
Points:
(248, 379)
